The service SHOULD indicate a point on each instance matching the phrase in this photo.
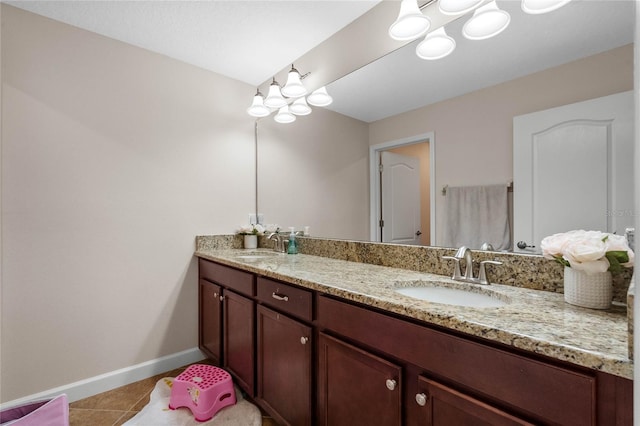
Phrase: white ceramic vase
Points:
(250, 241)
(593, 291)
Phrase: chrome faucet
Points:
(464, 253)
(279, 240)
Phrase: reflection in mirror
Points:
(469, 99)
(473, 136)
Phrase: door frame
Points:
(374, 181)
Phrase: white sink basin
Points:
(452, 296)
(253, 256)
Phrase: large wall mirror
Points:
(464, 104)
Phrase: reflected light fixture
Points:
(320, 97)
(436, 45)
(300, 107)
(458, 7)
(487, 21)
(290, 101)
(284, 116)
(537, 7)
(274, 98)
(257, 108)
(411, 22)
(294, 87)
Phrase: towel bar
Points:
(509, 188)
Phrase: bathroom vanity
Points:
(321, 341)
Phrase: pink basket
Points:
(204, 389)
(50, 412)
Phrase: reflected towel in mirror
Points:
(475, 215)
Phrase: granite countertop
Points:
(533, 320)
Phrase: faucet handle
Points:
(457, 274)
(482, 274)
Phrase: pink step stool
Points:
(204, 389)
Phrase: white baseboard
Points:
(114, 379)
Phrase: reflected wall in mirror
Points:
(321, 165)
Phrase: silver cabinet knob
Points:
(304, 340)
(421, 399)
(391, 384)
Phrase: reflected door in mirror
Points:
(573, 169)
(400, 183)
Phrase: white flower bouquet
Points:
(251, 229)
(589, 251)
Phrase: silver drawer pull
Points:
(304, 340)
(391, 384)
(279, 297)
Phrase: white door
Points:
(400, 193)
(573, 169)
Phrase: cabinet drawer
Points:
(240, 281)
(286, 298)
(543, 391)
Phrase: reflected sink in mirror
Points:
(470, 297)
(256, 255)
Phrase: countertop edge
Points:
(622, 367)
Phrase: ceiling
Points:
(253, 40)
(248, 40)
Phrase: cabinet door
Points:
(239, 332)
(284, 367)
(444, 406)
(210, 320)
(356, 387)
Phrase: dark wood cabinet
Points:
(444, 406)
(312, 359)
(356, 387)
(239, 339)
(284, 367)
(210, 320)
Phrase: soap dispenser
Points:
(292, 248)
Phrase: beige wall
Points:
(314, 172)
(474, 132)
(113, 159)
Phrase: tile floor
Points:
(116, 406)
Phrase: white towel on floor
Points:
(477, 215)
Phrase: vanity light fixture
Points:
(436, 45)
(300, 107)
(411, 22)
(284, 116)
(257, 108)
(274, 98)
(289, 101)
(294, 87)
(537, 7)
(487, 21)
(320, 97)
(457, 7)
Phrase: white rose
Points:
(554, 245)
(587, 254)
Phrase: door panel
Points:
(284, 367)
(239, 346)
(356, 387)
(400, 198)
(573, 169)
